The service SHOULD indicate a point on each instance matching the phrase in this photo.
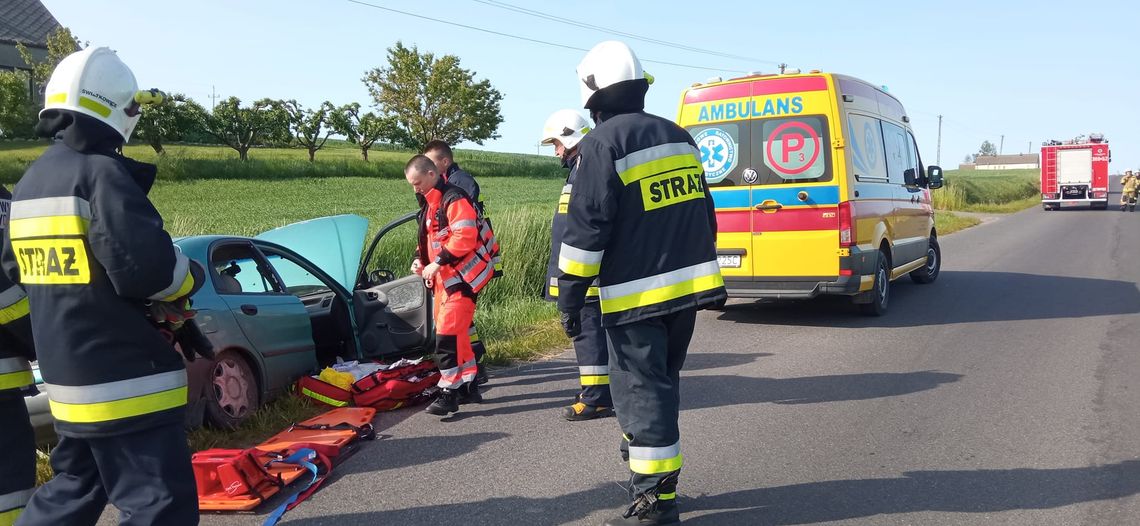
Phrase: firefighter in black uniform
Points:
(440, 153)
(17, 440)
(90, 250)
(563, 129)
(640, 221)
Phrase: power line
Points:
(585, 25)
(532, 40)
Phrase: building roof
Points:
(1028, 158)
(26, 21)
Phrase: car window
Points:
(238, 269)
(297, 280)
(724, 152)
(867, 153)
(912, 146)
(899, 157)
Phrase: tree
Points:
(307, 125)
(17, 109)
(60, 44)
(365, 130)
(987, 149)
(242, 128)
(970, 158)
(173, 120)
(433, 98)
(20, 98)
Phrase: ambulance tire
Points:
(880, 289)
(929, 272)
(232, 394)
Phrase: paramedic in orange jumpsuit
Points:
(448, 262)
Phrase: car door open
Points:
(391, 305)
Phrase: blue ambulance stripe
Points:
(785, 195)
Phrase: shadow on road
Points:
(958, 297)
(981, 491)
(528, 511)
(396, 453)
(699, 392)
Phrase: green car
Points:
(288, 302)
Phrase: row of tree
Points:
(419, 97)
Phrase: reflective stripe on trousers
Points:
(11, 504)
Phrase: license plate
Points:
(728, 261)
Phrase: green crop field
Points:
(995, 191)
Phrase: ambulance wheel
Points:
(880, 289)
(929, 272)
(232, 395)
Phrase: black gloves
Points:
(572, 323)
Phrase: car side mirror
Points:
(934, 177)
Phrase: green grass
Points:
(996, 191)
(948, 223)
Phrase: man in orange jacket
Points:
(456, 266)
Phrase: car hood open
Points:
(331, 243)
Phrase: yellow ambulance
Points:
(818, 184)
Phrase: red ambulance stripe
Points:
(733, 221)
(755, 88)
(728, 91)
(788, 220)
(773, 86)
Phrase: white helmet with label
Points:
(95, 82)
(608, 63)
(566, 126)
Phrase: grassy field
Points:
(991, 191)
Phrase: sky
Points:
(1012, 73)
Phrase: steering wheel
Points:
(379, 277)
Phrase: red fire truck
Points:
(1075, 172)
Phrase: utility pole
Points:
(938, 157)
(213, 99)
(782, 67)
(1029, 149)
(1001, 144)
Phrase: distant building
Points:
(27, 22)
(1007, 162)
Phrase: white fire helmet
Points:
(608, 63)
(566, 126)
(95, 82)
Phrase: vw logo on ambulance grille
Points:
(718, 153)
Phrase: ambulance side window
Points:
(868, 156)
(899, 158)
(916, 161)
(724, 151)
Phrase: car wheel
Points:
(929, 272)
(880, 291)
(232, 395)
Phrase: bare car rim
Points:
(931, 260)
(231, 388)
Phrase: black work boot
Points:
(445, 403)
(581, 411)
(648, 514)
(469, 394)
(481, 375)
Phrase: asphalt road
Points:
(1004, 393)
